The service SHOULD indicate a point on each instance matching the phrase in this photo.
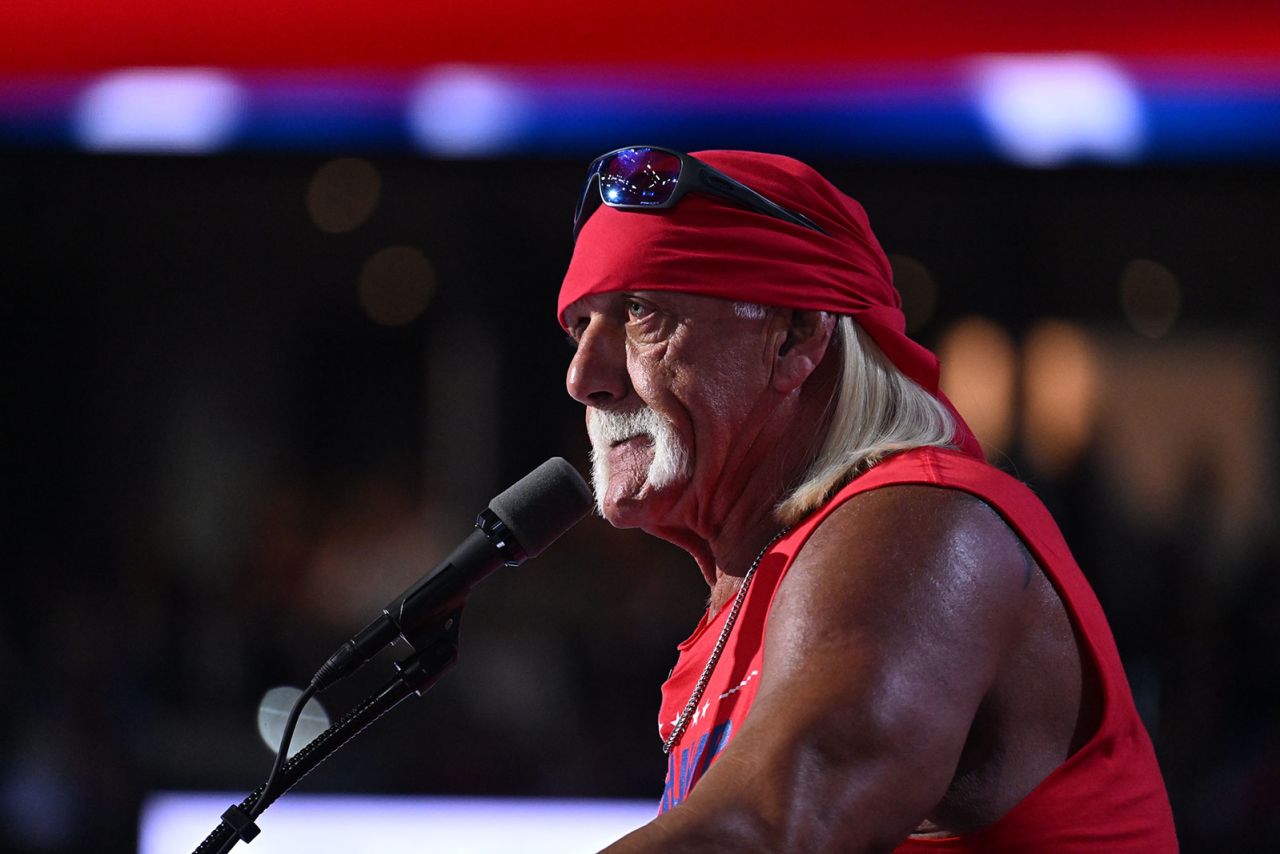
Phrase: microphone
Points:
(519, 523)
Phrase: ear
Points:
(807, 336)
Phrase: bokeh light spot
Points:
(396, 285)
(159, 110)
(466, 111)
(1150, 297)
(979, 370)
(1045, 110)
(918, 289)
(342, 194)
(1060, 394)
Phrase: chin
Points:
(637, 479)
(623, 511)
(625, 506)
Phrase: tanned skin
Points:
(920, 672)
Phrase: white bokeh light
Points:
(1047, 110)
(176, 110)
(465, 111)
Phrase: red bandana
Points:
(710, 247)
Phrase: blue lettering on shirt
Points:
(684, 769)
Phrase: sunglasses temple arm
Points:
(579, 215)
(742, 194)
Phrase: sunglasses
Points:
(646, 178)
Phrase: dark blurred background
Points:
(260, 377)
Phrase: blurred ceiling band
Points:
(87, 36)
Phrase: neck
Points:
(726, 584)
(725, 533)
(725, 517)
(725, 554)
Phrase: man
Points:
(899, 651)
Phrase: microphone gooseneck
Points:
(519, 523)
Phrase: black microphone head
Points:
(543, 504)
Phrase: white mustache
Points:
(670, 455)
(607, 429)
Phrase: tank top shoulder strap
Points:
(1021, 510)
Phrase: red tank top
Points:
(1108, 796)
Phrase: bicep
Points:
(881, 643)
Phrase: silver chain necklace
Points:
(682, 722)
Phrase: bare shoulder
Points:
(916, 614)
(890, 631)
(907, 566)
(925, 523)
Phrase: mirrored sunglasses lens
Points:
(639, 176)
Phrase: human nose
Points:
(597, 374)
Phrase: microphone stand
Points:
(435, 647)
(519, 523)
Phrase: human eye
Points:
(636, 309)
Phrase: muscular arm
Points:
(882, 642)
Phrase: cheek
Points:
(702, 398)
(701, 403)
(651, 374)
(729, 387)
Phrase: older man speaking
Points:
(899, 651)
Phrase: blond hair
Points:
(875, 410)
